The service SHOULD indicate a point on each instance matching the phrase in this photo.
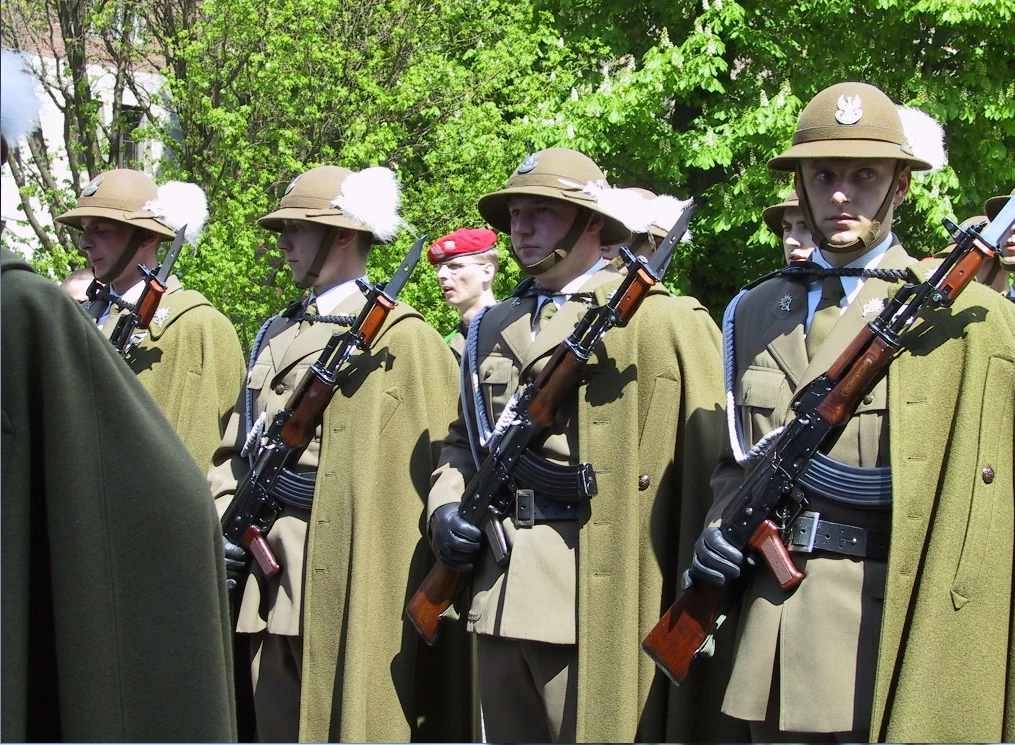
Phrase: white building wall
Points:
(18, 234)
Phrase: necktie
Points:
(546, 312)
(825, 315)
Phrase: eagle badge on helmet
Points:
(530, 162)
(91, 187)
(292, 184)
(848, 110)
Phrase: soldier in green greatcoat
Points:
(902, 628)
(333, 657)
(190, 358)
(559, 626)
(115, 622)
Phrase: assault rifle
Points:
(253, 510)
(770, 492)
(490, 494)
(140, 317)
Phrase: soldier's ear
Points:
(902, 186)
(149, 241)
(596, 224)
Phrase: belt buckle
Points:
(802, 534)
(525, 508)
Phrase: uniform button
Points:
(280, 389)
(868, 399)
(988, 475)
(643, 482)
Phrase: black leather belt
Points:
(532, 508)
(810, 533)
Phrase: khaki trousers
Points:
(276, 668)
(527, 690)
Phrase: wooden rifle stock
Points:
(150, 302)
(675, 640)
(432, 600)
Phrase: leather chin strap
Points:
(868, 238)
(314, 273)
(640, 239)
(133, 244)
(581, 222)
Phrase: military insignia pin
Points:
(529, 163)
(785, 302)
(873, 307)
(161, 315)
(292, 184)
(848, 110)
(91, 187)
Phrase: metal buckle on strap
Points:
(802, 532)
(525, 513)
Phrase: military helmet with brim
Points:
(773, 214)
(557, 173)
(849, 120)
(320, 196)
(121, 195)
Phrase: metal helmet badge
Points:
(91, 187)
(292, 184)
(530, 162)
(848, 110)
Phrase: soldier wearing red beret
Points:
(466, 263)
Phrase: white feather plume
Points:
(19, 106)
(180, 204)
(629, 207)
(667, 210)
(372, 197)
(926, 136)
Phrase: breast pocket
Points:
(497, 381)
(761, 395)
(256, 380)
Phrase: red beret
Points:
(462, 242)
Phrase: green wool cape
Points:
(115, 621)
(651, 405)
(946, 669)
(367, 676)
(192, 365)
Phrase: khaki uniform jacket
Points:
(114, 612)
(191, 362)
(917, 647)
(648, 418)
(348, 564)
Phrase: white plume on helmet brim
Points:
(630, 208)
(926, 136)
(372, 197)
(667, 210)
(179, 204)
(19, 106)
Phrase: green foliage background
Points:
(686, 99)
